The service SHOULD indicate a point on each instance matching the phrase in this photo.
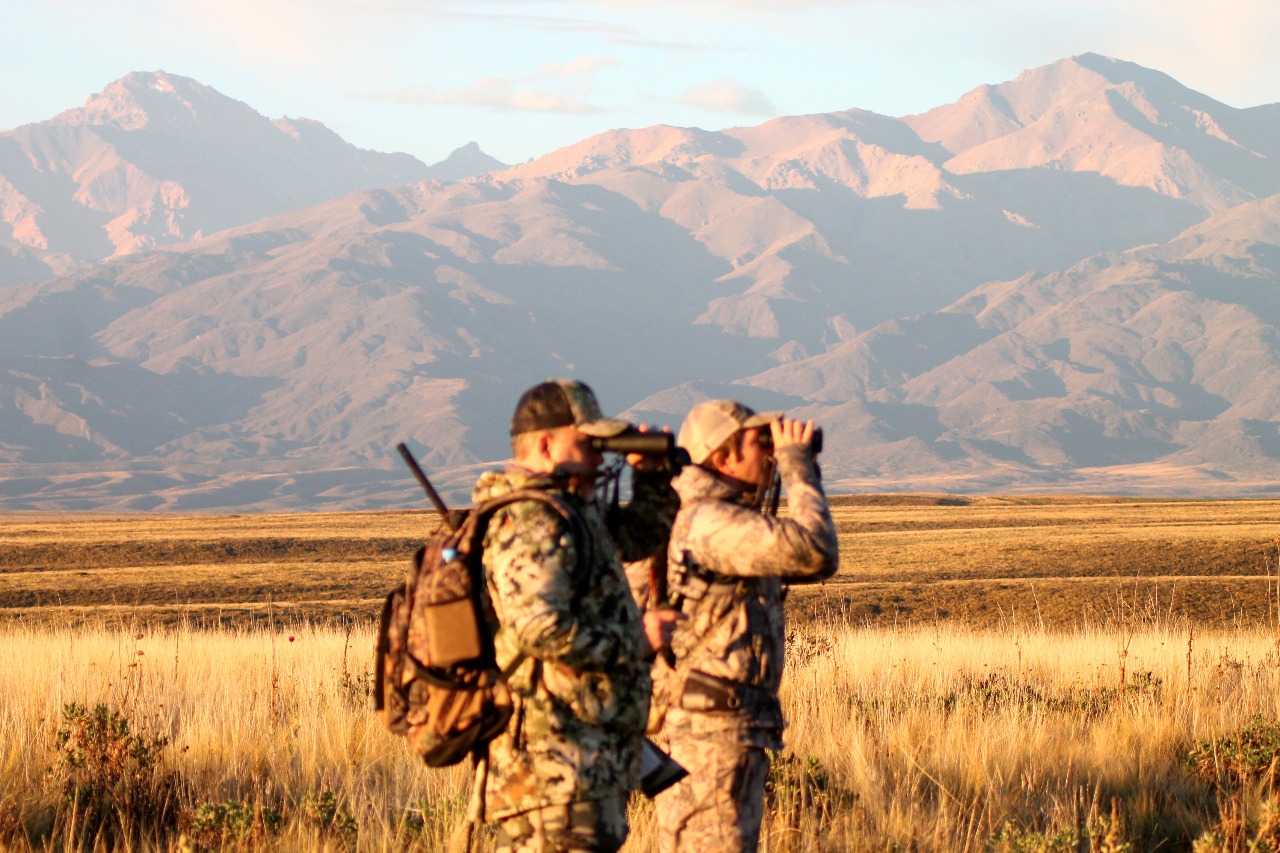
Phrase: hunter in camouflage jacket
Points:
(735, 630)
(581, 688)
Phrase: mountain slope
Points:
(1164, 358)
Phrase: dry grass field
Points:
(204, 570)
(1004, 674)
(1056, 562)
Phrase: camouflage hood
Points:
(695, 484)
(497, 482)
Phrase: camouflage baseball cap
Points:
(708, 425)
(563, 402)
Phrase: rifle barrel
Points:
(421, 476)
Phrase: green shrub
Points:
(1240, 758)
(243, 823)
(320, 809)
(1234, 833)
(1100, 833)
(108, 776)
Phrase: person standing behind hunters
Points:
(726, 565)
(560, 775)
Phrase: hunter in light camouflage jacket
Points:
(735, 630)
(582, 689)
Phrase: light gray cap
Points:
(708, 425)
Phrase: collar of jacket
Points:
(695, 483)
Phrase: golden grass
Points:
(944, 738)
(982, 674)
(233, 570)
(265, 717)
(931, 738)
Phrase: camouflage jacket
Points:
(582, 685)
(735, 631)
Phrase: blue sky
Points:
(524, 77)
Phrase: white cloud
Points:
(723, 96)
(583, 65)
(494, 93)
(1225, 49)
(553, 87)
(280, 31)
(763, 5)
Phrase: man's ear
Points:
(543, 445)
(718, 458)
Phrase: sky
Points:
(524, 77)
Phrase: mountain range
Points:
(1064, 282)
(157, 159)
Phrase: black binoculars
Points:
(632, 440)
(765, 440)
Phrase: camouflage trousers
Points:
(595, 826)
(719, 806)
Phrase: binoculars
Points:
(632, 440)
(657, 444)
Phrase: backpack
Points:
(437, 680)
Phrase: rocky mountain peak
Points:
(464, 162)
(151, 99)
(1075, 113)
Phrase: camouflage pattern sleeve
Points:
(532, 563)
(646, 520)
(732, 539)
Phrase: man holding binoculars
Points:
(567, 628)
(727, 562)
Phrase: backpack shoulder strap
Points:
(577, 524)
(482, 514)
